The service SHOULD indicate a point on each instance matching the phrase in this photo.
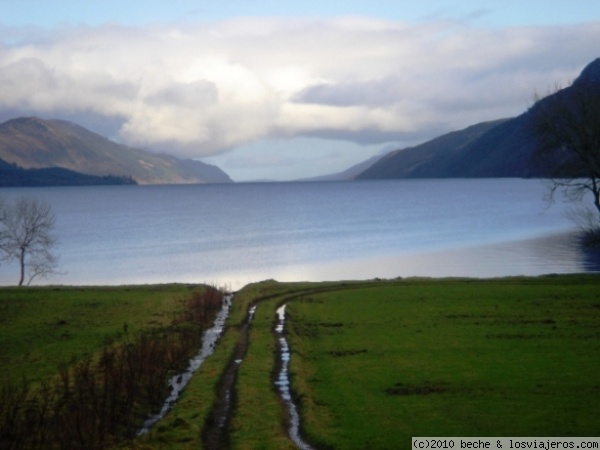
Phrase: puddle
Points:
(215, 433)
(178, 382)
(283, 382)
(237, 361)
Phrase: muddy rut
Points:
(216, 430)
(215, 435)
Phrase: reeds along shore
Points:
(102, 400)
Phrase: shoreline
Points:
(548, 254)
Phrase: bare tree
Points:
(567, 123)
(26, 236)
(3, 234)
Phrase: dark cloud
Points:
(372, 93)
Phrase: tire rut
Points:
(215, 434)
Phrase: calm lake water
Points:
(232, 234)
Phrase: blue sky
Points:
(502, 13)
(286, 89)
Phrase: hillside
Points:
(502, 148)
(347, 174)
(14, 176)
(434, 158)
(33, 143)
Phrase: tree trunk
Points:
(22, 265)
(596, 192)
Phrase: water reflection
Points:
(591, 257)
(283, 383)
(558, 253)
(307, 231)
(178, 382)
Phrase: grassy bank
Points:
(182, 427)
(43, 328)
(122, 351)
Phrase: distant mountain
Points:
(502, 148)
(33, 143)
(347, 174)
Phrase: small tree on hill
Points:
(26, 236)
(567, 124)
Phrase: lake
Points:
(233, 234)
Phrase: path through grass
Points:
(373, 363)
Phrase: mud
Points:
(216, 429)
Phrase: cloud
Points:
(202, 89)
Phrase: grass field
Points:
(83, 367)
(373, 363)
(518, 357)
(42, 328)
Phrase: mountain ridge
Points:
(500, 148)
(347, 174)
(35, 143)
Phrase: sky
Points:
(286, 89)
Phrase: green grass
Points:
(516, 357)
(373, 363)
(181, 429)
(258, 421)
(42, 328)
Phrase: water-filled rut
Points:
(283, 382)
(178, 382)
(215, 434)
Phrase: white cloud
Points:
(204, 89)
